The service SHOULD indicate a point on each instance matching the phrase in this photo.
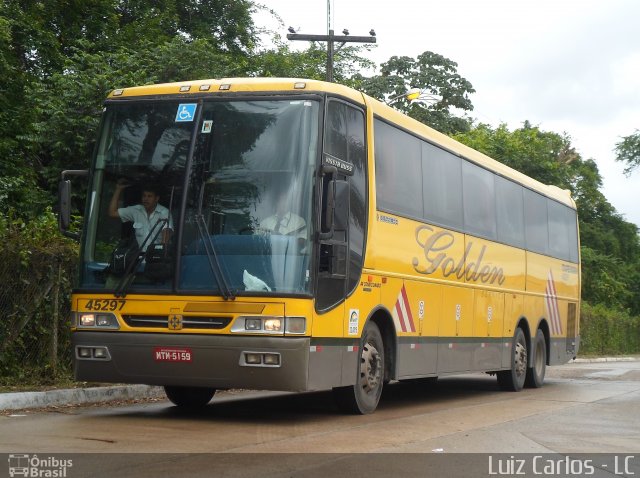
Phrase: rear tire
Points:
(363, 397)
(535, 374)
(189, 397)
(513, 380)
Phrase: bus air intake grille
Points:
(205, 322)
(188, 322)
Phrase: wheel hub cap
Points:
(370, 368)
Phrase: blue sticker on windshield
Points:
(186, 112)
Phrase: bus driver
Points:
(144, 216)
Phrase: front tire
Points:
(513, 379)
(189, 397)
(363, 397)
(535, 374)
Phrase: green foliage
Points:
(606, 331)
(37, 266)
(602, 280)
(438, 79)
(60, 59)
(628, 151)
(281, 61)
(72, 99)
(545, 156)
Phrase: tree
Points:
(628, 151)
(60, 59)
(309, 63)
(437, 78)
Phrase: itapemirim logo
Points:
(21, 464)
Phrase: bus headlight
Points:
(87, 320)
(90, 320)
(270, 325)
(252, 324)
(273, 325)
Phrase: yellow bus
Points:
(288, 234)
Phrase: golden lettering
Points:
(434, 248)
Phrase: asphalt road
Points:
(583, 408)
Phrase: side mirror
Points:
(341, 206)
(64, 195)
(335, 208)
(64, 200)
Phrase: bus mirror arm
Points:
(328, 169)
(64, 196)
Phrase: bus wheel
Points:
(363, 397)
(189, 397)
(513, 380)
(535, 374)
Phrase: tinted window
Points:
(479, 201)
(535, 213)
(335, 142)
(358, 193)
(573, 236)
(562, 226)
(509, 212)
(398, 171)
(441, 186)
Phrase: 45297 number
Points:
(105, 305)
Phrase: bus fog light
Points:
(252, 324)
(295, 325)
(252, 358)
(84, 352)
(100, 353)
(87, 320)
(273, 325)
(271, 359)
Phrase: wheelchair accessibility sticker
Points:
(186, 112)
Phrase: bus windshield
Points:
(211, 197)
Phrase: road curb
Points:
(77, 396)
(605, 359)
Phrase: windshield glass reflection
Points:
(134, 204)
(247, 205)
(250, 190)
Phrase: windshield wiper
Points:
(214, 261)
(130, 272)
(210, 250)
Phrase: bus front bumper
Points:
(216, 361)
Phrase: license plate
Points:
(172, 354)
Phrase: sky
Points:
(567, 66)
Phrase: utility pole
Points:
(331, 39)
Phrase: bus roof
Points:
(256, 85)
(239, 85)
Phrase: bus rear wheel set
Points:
(520, 375)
